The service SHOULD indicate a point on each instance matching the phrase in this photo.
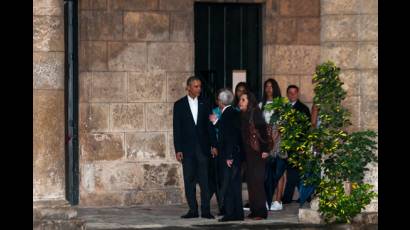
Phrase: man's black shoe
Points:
(190, 215)
(208, 216)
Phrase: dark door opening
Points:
(227, 37)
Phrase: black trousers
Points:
(216, 177)
(195, 170)
(232, 192)
(293, 179)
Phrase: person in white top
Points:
(271, 91)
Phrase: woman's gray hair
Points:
(225, 96)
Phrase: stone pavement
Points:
(168, 217)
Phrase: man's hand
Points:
(212, 118)
(265, 155)
(179, 156)
(214, 152)
(229, 163)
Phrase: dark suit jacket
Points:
(187, 134)
(299, 106)
(229, 136)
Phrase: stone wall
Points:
(48, 100)
(135, 56)
(349, 36)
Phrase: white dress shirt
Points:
(193, 105)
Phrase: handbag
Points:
(256, 139)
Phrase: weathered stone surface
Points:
(149, 197)
(127, 117)
(295, 59)
(299, 7)
(109, 87)
(176, 85)
(102, 146)
(85, 86)
(286, 31)
(269, 30)
(308, 32)
(351, 82)
(127, 56)
(343, 54)
(368, 55)
(160, 176)
(369, 6)
(145, 146)
(171, 149)
(74, 224)
(175, 56)
(310, 216)
(352, 105)
(48, 70)
(268, 56)
(147, 86)
(182, 26)
(101, 25)
(340, 7)
(94, 117)
(48, 33)
(369, 84)
(93, 56)
(306, 89)
(93, 4)
(48, 7)
(284, 81)
(176, 5)
(146, 26)
(105, 199)
(133, 5)
(369, 114)
(271, 8)
(368, 27)
(159, 116)
(340, 27)
(48, 145)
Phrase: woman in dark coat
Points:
(251, 116)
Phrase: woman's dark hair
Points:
(253, 112)
(240, 84)
(275, 89)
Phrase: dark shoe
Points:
(190, 215)
(207, 216)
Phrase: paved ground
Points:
(168, 217)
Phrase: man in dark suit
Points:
(194, 142)
(229, 142)
(293, 177)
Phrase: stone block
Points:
(94, 117)
(369, 84)
(171, 149)
(48, 33)
(48, 7)
(368, 27)
(106, 199)
(306, 93)
(146, 86)
(109, 87)
(48, 144)
(343, 54)
(85, 79)
(146, 26)
(145, 146)
(182, 26)
(352, 104)
(369, 6)
(286, 31)
(308, 32)
(368, 55)
(351, 82)
(102, 146)
(295, 59)
(340, 7)
(271, 8)
(269, 30)
(175, 56)
(93, 56)
(133, 5)
(299, 7)
(340, 27)
(127, 56)
(176, 85)
(146, 197)
(161, 176)
(101, 25)
(309, 216)
(159, 116)
(176, 5)
(369, 114)
(93, 4)
(48, 70)
(127, 117)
